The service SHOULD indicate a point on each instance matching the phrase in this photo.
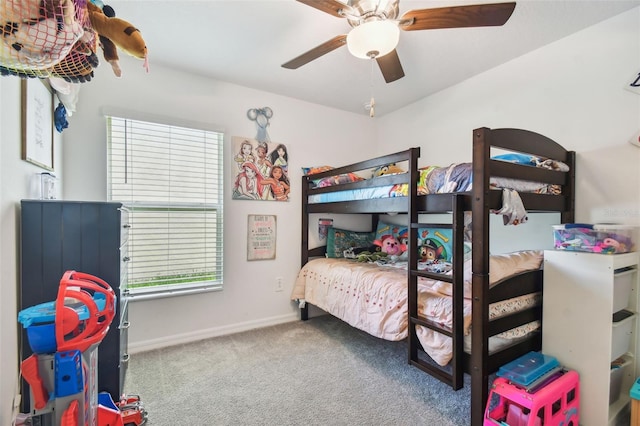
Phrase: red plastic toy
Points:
(71, 332)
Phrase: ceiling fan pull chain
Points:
(372, 102)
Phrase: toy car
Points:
(133, 412)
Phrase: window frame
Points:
(182, 288)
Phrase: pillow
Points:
(330, 180)
(530, 160)
(339, 240)
(400, 232)
(314, 170)
(336, 180)
(387, 169)
(526, 159)
(436, 241)
(435, 244)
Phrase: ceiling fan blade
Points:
(479, 15)
(332, 7)
(316, 52)
(390, 66)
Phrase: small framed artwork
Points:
(261, 237)
(37, 123)
(323, 228)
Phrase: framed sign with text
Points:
(261, 237)
(37, 123)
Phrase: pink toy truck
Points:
(555, 403)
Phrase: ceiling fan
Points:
(376, 28)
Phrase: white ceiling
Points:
(246, 41)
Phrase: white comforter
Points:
(373, 298)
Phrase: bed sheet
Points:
(456, 177)
(437, 307)
(373, 298)
(353, 194)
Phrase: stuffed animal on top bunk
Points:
(59, 38)
(387, 169)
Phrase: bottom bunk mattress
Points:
(373, 298)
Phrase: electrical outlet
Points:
(279, 285)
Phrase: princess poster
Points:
(260, 170)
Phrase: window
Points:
(171, 180)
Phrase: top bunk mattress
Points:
(440, 180)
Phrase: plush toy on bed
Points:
(390, 245)
(369, 256)
(387, 169)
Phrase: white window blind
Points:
(171, 180)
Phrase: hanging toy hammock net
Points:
(47, 38)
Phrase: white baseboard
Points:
(179, 339)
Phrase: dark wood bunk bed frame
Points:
(480, 201)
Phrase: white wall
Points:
(16, 178)
(314, 135)
(571, 91)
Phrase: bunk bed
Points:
(482, 199)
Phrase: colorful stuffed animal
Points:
(368, 256)
(37, 34)
(387, 169)
(390, 245)
(58, 38)
(116, 33)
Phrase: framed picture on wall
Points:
(260, 170)
(261, 237)
(37, 123)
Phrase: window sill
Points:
(138, 295)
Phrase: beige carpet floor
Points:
(317, 372)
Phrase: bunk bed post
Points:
(480, 274)
(457, 361)
(412, 290)
(304, 249)
(568, 214)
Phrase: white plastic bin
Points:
(617, 376)
(621, 335)
(623, 281)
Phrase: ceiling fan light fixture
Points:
(373, 39)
